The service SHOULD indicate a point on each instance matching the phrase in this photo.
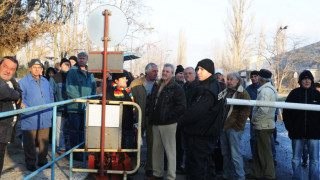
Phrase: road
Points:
(14, 167)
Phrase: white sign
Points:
(118, 25)
(111, 119)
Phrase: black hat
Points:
(304, 74)
(118, 75)
(179, 69)
(265, 73)
(206, 64)
(35, 62)
(63, 60)
(254, 73)
(73, 58)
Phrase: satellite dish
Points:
(118, 25)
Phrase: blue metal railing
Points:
(54, 159)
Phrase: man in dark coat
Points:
(202, 122)
(168, 103)
(304, 126)
(10, 99)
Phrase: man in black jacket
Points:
(168, 103)
(202, 122)
(10, 99)
(304, 126)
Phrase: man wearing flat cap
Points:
(304, 126)
(263, 123)
(202, 123)
(35, 125)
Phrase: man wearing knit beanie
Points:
(179, 77)
(202, 123)
(303, 126)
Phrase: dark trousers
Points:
(76, 126)
(149, 140)
(29, 145)
(3, 147)
(199, 162)
(179, 147)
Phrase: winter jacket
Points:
(138, 89)
(252, 89)
(58, 84)
(127, 113)
(7, 96)
(190, 90)
(171, 103)
(302, 124)
(237, 115)
(79, 84)
(263, 117)
(35, 95)
(202, 118)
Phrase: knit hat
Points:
(179, 69)
(117, 76)
(73, 58)
(265, 73)
(206, 64)
(63, 60)
(254, 73)
(35, 62)
(304, 74)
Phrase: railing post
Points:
(54, 130)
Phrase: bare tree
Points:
(238, 32)
(182, 47)
(19, 25)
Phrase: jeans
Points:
(313, 150)
(76, 126)
(60, 139)
(232, 157)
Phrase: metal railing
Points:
(85, 99)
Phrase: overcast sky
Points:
(204, 21)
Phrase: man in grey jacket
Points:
(263, 122)
(10, 98)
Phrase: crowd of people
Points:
(184, 117)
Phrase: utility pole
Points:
(277, 55)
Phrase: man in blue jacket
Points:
(79, 83)
(58, 84)
(36, 91)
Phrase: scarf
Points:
(118, 93)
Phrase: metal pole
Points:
(54, 130)
(104, 90)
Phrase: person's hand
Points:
(22, 105)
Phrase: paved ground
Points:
(14, 167)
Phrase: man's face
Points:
(167, 73)
(189, 75)
(203, 74)
(179, 76)
(82, 60)
(73, 62)
(65, 66)
(219, 76)
(36, 70)
(153, 73)
(7, 69)
(254, 79)
(318, 89)
(306, 83)
(232, 82)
